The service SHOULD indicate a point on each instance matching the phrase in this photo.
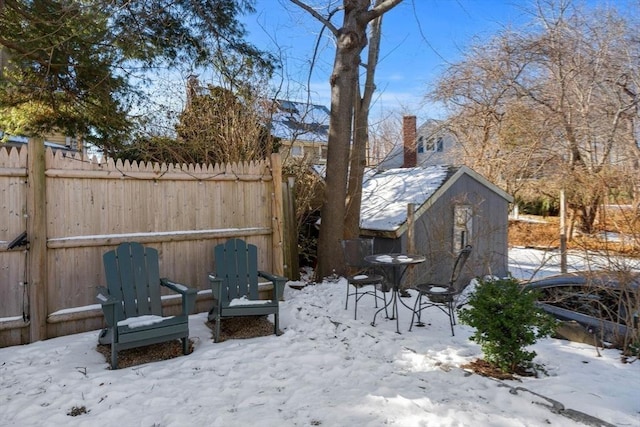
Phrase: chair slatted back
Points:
(237, 265)
(461, 259)
(133, 275)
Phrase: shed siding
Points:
(434, 234)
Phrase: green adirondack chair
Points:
(235, 285)
(132, 305)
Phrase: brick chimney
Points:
(409, 141)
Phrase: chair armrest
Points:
(177, 287)
(104, 298)
(216, 286)
(278, 283)
(188, 294)
(109, 305)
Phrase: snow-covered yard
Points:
(327, 369)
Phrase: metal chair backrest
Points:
(355, 250)
(461, 259)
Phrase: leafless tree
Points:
(351, 40)
(361, 133)
(383, 137)
(557, 101)
(495, 129)
(224, 122)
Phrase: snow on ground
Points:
(326, 369)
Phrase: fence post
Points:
(290, 229)
(276, 214)
(37, 235)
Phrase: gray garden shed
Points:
(452, 207)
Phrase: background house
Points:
(431, 143)
(57, 142)
(303, 129)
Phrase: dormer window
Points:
(435, 144)
(430, 144)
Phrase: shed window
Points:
(462, 226)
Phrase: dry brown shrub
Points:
(529, 234)
(544, 233)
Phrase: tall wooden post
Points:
(563, 233)
(277, 215)
(37, 235)
(411, 246)
(291, 263)
(411, 239)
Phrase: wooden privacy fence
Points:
(74, 209)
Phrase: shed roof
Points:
(386, 194)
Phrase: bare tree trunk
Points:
(589, 214)
(356, 172)
(351, 39)
(361, 135)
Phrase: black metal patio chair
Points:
(442, 296)
(362, 277)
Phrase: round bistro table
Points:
(398, 264)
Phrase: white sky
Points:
(327, 369)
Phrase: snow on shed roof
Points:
(386, 194)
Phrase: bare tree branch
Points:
(325, 21)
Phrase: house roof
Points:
(300, 121)
(386, 194)
(20, 141)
